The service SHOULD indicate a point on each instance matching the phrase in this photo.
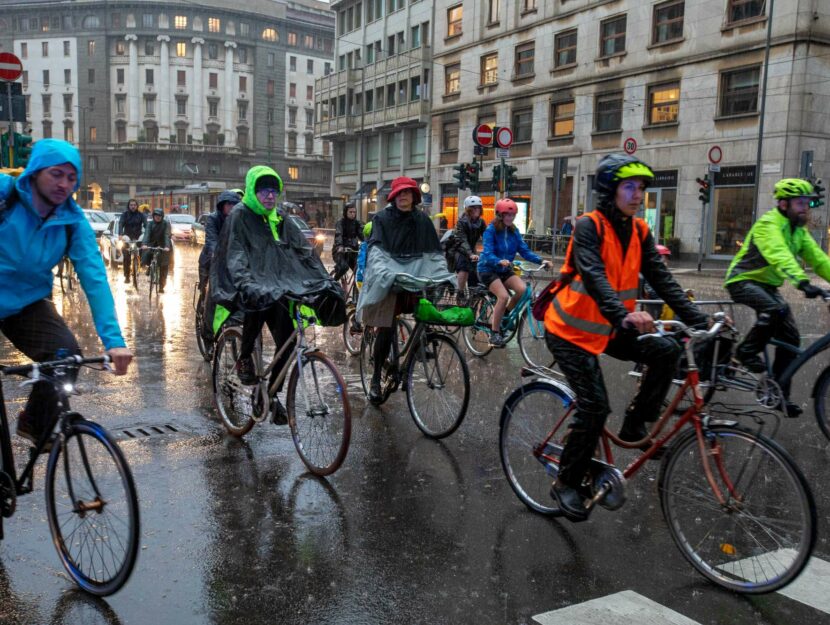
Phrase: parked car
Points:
(98, 220)
(181, 227)
(314, 239)
(199, 229)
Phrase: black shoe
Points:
(570, 502)
(375, 393)
(792, 410)
(279, 415)
(753, 363)
(245, 371)
(27, 429)
(497, 340)
(632, 431)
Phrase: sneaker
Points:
(497, 340)
(792, 410)
(279, 415)
(753, 363)
(26, 428)
(570, 502)
(245, 371)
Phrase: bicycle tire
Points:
(351, 340)
(205, 348)
(737, 544)
(85, 449)
(153, 279)
(477, 336)
(444, 378)
(234, 400)
(134, 270)
(527, 418)
(531, 339)
(321, 434)
(821, 402)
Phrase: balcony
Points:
(143, 146)
(413, 61)
(337, 126)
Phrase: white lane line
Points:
(622, 608)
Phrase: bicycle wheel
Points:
(761, 537)
(477, 336)
(437, 385)
(367, 365)
(92, 507)
(532, 343)
(234, 400)
(134, 270)
(351, 337)
(153, 278)
(319, 414)
(205, 347)
(821, 402)
(528, 419)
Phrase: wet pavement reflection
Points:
(407, 531)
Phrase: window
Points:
(149, 47)
(242, 141)
(120, 48)
(47, 104)
(562, 119)
(390, 95)
(120, 134)
(243, 83)
(44, 49)
(46, 78)
(309, 66)
(309, 93)
(242, 55)
(564, 48)
(93, 134)
(269, 88)
(67, 76)
(90, 48)
(213, 51)
(452, 79)
(242, 110)
(115, 20)
(449, 136)
(119, 76)
(454, 15)
(213, 80)
(523, 125)
(66, 48)
(292, 143)
(309, 144)
(415, 88)
(493, 9)
(490, 69)
(117, 163)
(415, 37)
(181, 135)
(417, 146)
(292, 90)
(180, 22)
(327, 69)
(148, 20)
(269, 115)
(120, 102)
(528, 5)
(668, 21)
(292, 39)
(149, 76)
(92, 104)
(612, 36)
(663, 103)
(181, 49)
(292, 117)
(309, 118)
(745, 9)
(308, 41)
(92, 162)
(524, 60)
(292, 63)
(67, 104)
(293, 172)
(25, 80)
(270, 58)
(181, 106)
(213, 108)
(739, 91)
(269, 34)
(149, 105)
(149, 164)
(393, 149)
(24, 50)
(181, 78)
(69, 133)
(214, 25)
(608, 112)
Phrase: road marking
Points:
(622, 608)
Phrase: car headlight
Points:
(320, 238)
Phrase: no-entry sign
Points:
(483, 135)
(10, 66)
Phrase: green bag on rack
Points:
(426, 312)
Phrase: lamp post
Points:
(82, 143)
(762, 112)
(360, 150)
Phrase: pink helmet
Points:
(663, 250)
(506, 206)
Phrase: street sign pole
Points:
(503, 192)
(11, 123)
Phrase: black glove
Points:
(810, 291)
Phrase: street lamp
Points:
(360, 155)
(82, 142)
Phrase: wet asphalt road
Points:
(407, 531)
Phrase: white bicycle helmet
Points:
(472, 200)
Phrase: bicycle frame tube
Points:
(803, 356)
(7, 458)
(291, 342)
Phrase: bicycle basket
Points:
(710, 354)
(440, 307)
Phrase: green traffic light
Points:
(22, 149)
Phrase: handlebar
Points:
(664, 328)
(527, 269)
(53, 364)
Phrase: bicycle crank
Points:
(611, 481)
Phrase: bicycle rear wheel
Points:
(154, 279)
(319, 413)
(526, 433)
(532, 343)
(351, 337)
(761, 537)
(92, 507)
(234, 400)
(437, 385)
(477, 336)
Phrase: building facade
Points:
(163, 95)
(374, 107)
(679, 84)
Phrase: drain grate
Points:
(147, 431)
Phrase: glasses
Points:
(267, 192)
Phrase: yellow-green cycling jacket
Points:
(769, 253)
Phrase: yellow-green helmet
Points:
(616, 167)
(787, 188)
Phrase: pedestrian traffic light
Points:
(460, 175)
(472, 176)
(705, 190)
(497, 178)
(510, 179)
(818, 199)
(22, 149)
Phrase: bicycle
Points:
(91, 500)
(430, 364)
(531, 333)
(154, 270)
(352, 332)
(130, 248)
(316, 398)
(737, 505)
(200, 296)
(66, 275)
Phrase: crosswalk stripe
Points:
(622, 608)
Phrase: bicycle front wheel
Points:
(234, 399)
(477, 336)
(351, 336)
(437, 385)
(532, 343)
(526, 439)
(319, 414)
(92, 507)
(760, 537)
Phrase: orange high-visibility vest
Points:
(573, 314)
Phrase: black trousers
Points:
(775, 320)
(584, 376)
(39, 332)
(280, 326)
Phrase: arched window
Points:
(270, 34)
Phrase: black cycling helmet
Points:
(158, 211)
(616, 167)
(227, 196)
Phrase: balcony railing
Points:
(351, 77)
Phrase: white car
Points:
(181, 227)
(98, 220)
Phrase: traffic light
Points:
(460, 175)
(22, 149)
(510, 179)
(705, 190)
(818, 200)
(472, 176)
(497, 178)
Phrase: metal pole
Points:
(362, 128)
(503, 179)
(11, 123)
(763, 110)
(556, 189)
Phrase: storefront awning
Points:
(385, 189)
(364, 192)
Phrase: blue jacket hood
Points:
(48, 153)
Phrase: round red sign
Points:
(630, 145)
(504, 137)
(483, 135)
(10, 66)
(715, 154)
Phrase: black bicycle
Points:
(154, 270)
(91, 500)
(200, 296)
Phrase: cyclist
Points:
(131, 224)
(348, 233)
(261, 257)
(769, 256)
(502, 241)
(39, 224)
(157, 234)
(593, 310)
(461, 248)
(403, 240)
